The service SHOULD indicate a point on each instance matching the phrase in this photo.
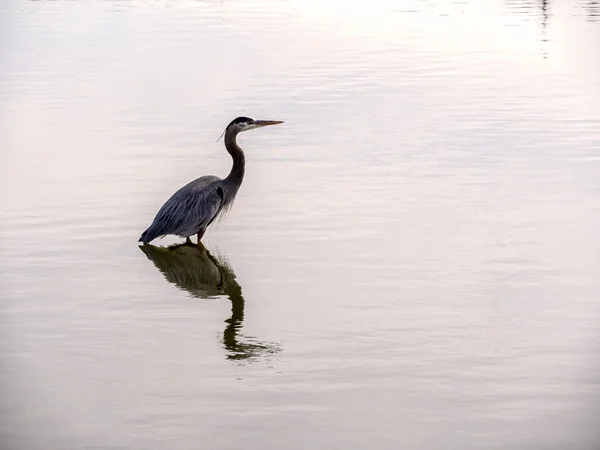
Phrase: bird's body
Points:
(190, 210)
(196, 205)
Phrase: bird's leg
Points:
(200, 234)
(188, 241)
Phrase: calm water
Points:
(412, 262)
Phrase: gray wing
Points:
(189, 210)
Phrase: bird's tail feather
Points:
(145, 237)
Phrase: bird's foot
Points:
(199, 235)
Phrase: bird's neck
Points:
(237, 154)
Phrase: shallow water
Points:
(412, 260)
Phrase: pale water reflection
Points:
(206, 276)
(416, 252)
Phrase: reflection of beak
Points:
(264, 123)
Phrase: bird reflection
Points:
(206, 276)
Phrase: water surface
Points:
(412, 260)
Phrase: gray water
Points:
(412, 261)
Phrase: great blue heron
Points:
(195, 206)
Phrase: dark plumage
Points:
(196, 205)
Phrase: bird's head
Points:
(246, 123)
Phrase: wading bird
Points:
(195, 206)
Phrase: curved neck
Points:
(239, 161)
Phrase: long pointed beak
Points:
(264, 123)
